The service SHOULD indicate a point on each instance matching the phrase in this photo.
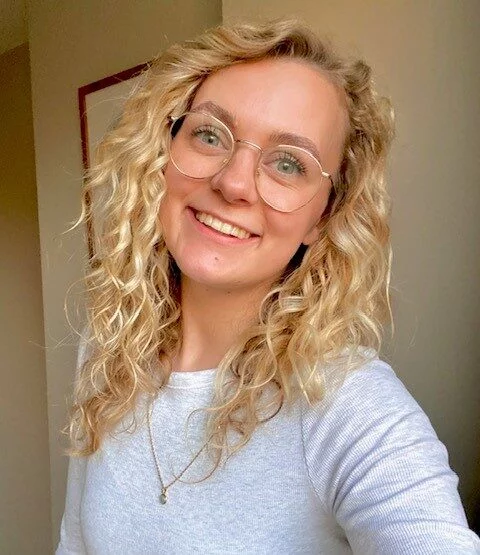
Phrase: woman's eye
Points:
(288, 166)
(208, 137)
(285, 166)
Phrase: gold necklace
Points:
(164, 487)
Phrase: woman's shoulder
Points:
(366, 405)
(376, 462)
(372, 383)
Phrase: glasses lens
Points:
(289, 177)
(200, 145)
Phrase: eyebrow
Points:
(278, 137)
(220, 113)
(286, 138)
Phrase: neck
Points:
(212, 320)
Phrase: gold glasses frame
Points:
(174, 119)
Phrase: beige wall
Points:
(72, 45)
(24, 462)
(425, 55)
(13, 24)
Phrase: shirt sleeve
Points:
(381, 472)
(71, 539)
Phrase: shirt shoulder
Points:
(379, 468)
(364, 397)
(362, 410)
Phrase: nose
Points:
(236, 181)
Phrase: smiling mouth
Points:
(222, 227)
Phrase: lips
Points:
(222, 226)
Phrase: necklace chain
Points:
(164, 487)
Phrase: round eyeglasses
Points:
(287, 177)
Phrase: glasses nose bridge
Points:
(249, 143)
(227, 166)
(259, 150)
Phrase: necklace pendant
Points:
(163, 496)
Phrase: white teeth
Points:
(220, 226)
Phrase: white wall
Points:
(426, 57)
(73, 44)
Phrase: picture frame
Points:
(100, 104)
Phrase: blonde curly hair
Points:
(331, 299)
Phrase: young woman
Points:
(229, 398)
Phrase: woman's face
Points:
(263, 100)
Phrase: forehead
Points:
(278, 96)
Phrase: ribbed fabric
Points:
(361, 472)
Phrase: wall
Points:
(425, 55)
(72, 45)
(13, 24)
(24, 464)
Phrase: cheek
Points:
(313, 221)
(176, 190)
(298, 227)
(177, 185)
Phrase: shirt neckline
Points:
(192, 379)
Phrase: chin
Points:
(204, 275)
